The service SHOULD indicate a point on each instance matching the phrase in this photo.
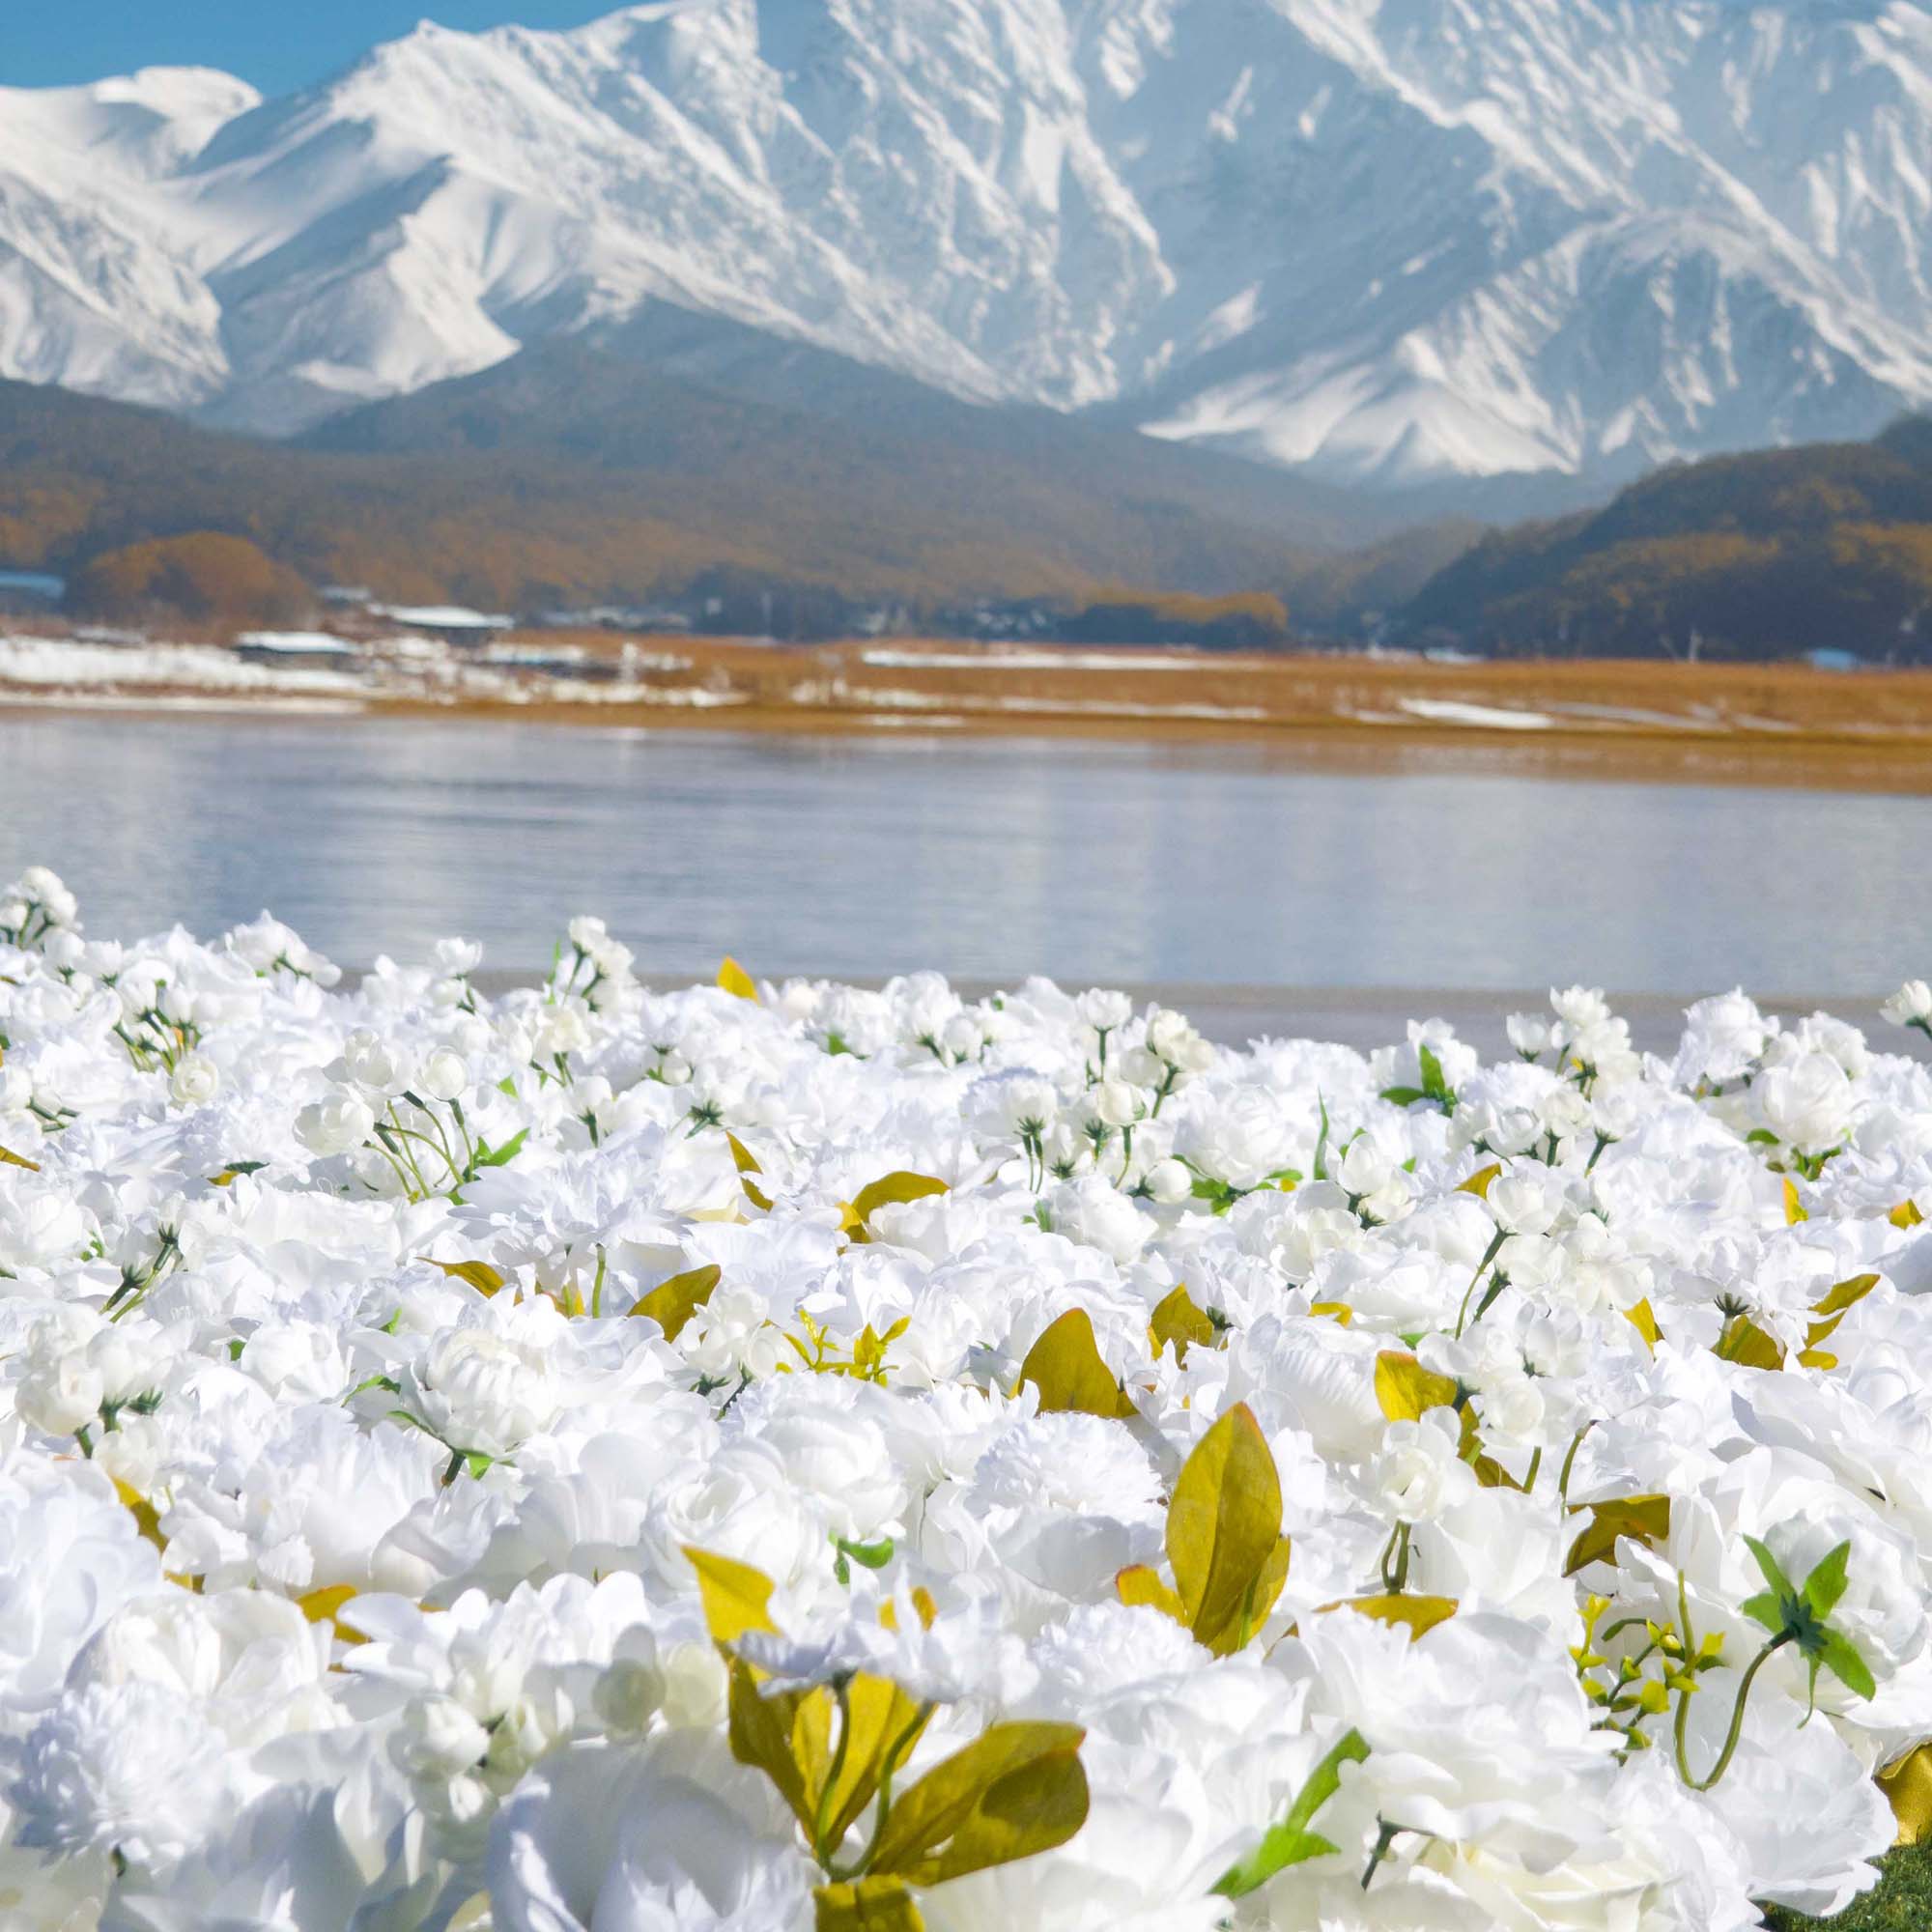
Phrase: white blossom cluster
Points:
(373, 1360)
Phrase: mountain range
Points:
(1396, 246)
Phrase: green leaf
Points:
(1403, 1097)
(1433, 1086)
(1826, 1581)
(1766, 1608)
(1768, 1563)
(1320, 1166)
(1064, 1366)
(1840, 1656)
(502, 1157)
(1018, 1789)
(1290, 1842)
(1223, 1523)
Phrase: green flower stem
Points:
(1736, 1731)
(1490, 1254)
(895, 1757)
(821, 1850)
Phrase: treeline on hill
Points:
(1769, 554)
(566, 479)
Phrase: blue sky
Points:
(276, 43)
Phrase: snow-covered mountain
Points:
(1394, 241)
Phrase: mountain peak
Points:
(1392, 244)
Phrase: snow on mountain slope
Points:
(1394, 241)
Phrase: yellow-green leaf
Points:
(1223, 1523)
(865, 1905)
(1178, 1323)
(326, 1606)
(735, 980)
(673, 1302)
(146, 1518)
(1644, 1520)
(763, 1733)
(1906, 1214)
(735, 1596)
(742, 1159)
(1139, 1584)
(1794, 1208)
(1418, 1615)
(1830, 1311)
(1478, 1184)
(1644, 1319)
(1256, 1601)
(889, 1191)
(319, 1607)
(1018, 1789)
(1064, 1366)
(1744, 1342)
(884, 1722)
(9, 1158)
(480, 1275)
(1407, 1390)
(924, 1605)
(1907, 1785)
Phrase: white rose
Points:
(371, 1062)
(60, 1393)
(444, 1075)
(195, 1082)
(1104, 1011)
(1115, 1103)
(1911, 1005)
(1807, 1103)
(1419, 1471)
(334, 1125)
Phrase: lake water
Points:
(1128, 862)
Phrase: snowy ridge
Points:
(1394, 241)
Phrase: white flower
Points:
(130, 1767)
(457, 958)
(1528, 1034)
(1807, 1102)
(376, 1065)
(1910, 1004)
(1168, 1181)
(444, 1075)
(484, 1391)
(337, 1125)
(195, 1081)
(1115, 1103)
(1419, 1472)
(1104, 1011)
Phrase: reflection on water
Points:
(1223, 863)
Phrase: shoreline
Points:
(1778, 725)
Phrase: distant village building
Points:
(451, 622)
